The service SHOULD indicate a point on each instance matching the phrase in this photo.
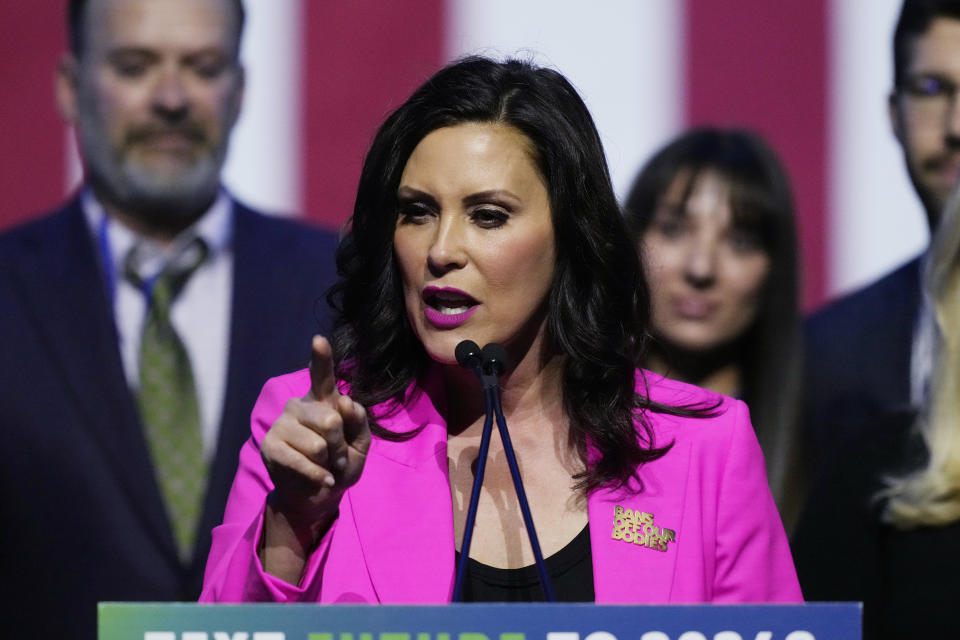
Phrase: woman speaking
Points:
(485, 213)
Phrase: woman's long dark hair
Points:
(760, 196)
(598, 304)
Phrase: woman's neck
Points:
(532, 401)
(718, 370)
(530, 394)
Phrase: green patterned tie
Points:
(168, 399)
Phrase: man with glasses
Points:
(865, 353)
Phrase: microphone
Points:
(494, 358)
(469, 355)
(488, 364)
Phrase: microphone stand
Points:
(488, 368)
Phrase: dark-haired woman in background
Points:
(713, 214)
(485, 212)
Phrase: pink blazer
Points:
(703, 529)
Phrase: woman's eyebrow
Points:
(500, 196)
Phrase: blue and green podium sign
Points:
(821, 621)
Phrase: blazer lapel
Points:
(404, 512)
(628, 570)
(62, 282)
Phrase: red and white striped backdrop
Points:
(811, 75)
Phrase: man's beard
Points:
(168, 200)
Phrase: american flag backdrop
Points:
(810, 75)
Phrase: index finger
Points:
(322, 381)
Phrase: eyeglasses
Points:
(931, 94)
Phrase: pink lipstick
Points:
(447, 307)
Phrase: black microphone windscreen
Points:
(495, 356)
(468, 353)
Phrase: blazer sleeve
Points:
(234, 572)
(753, 560)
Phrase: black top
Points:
(570, 571)
(909, 581)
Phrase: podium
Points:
(540, 621)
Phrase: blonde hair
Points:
(931, 495)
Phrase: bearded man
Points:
(139, 321)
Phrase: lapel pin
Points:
(636, 527)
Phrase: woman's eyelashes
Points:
(489, 217)
(741, 239)
(484, 216)
(746, 241)
(670, 224)
(413, 211)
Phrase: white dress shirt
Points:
(200, 314)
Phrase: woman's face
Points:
(706, 275)
(474, 239)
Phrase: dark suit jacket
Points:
(908, 580)
(857, 358)
(81, 517)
